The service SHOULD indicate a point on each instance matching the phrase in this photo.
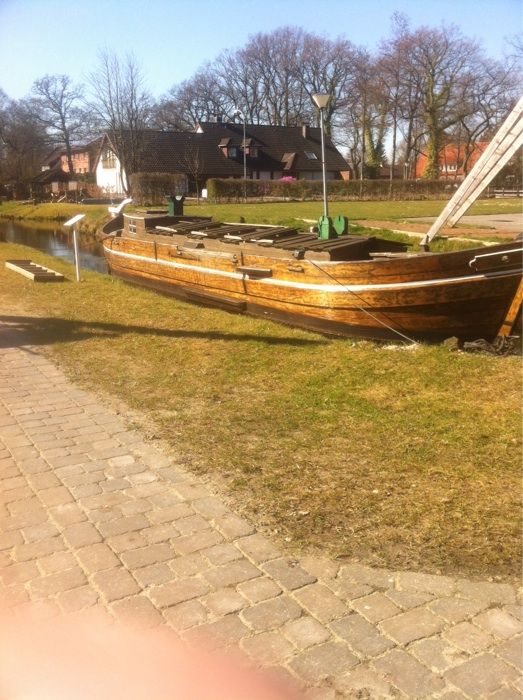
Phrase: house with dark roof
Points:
(55, 177)
(216, 150)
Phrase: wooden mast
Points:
(502, 147)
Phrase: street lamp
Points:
(239, 113)
(321, 101)
(73, 222)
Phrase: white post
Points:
(324, 168)
(72, 222)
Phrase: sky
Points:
(171, 39)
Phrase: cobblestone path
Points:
(92, 515)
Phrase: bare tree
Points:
(22, 141)
(56, 104)
(122, 106)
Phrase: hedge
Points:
(153, 188)
(234, 190)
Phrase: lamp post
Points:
(239, 113)
(72, 222)
(321, 100)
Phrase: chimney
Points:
(305, 131)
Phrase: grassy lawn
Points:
(280, 213)
(408, 458)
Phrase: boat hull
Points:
(428, 297)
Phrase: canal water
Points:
(56, 241)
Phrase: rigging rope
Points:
(361, 308)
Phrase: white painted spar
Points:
(339, 288)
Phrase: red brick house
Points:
(455, 160)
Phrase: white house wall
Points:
(110, 179)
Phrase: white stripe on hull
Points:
(338, 288)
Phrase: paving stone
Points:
(60, 561)
(222, 554)
(437, 653)
(455, 609)
(231, 574)
(187, 544)
(115, 583)
(407, 674)
(154, 574)
(97, 557)
(407, 600)
(376, 578)
(137, 611)
(59, 582)
(268, 647)
(123, 526)
(19, 573)
(170, 514)
(468, 637)
(481, 675)
(376, 607)
(143, 556)
(44, 480)
(224, 601)
(81, 534)
(306, 632)
(136, 506)
(10, 539)
(210, 507)
(232, 526)
(67, 514)
(411, 625)
(77, 599)
(321, 602)
(229, 630)
(348, 590)
(258, 589)
(363, 682)
(322, 661)
(159, 533)
(271, 613)
(257, 548)
(55, 496)
(189, 565)
(38, 549)
(192, 524)
(127, 541)
(186, 615)
(505, 694)
(361, 635)
(320, 566)
(176, 592)
(425, 583)
(501, 593)
(288, 573)
(499, 623)
(512, 651)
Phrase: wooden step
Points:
(37, 273)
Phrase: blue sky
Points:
(172, 38)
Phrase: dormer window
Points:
(232, 152)
(252, 151)
(311, 155)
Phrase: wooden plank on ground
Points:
(37, 273)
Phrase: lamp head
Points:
(321, 100)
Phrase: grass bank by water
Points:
(279, 213)
(405, 458)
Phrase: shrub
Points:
(153, 188)
(233, 190)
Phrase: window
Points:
(311, 155)
(233, 152)
(108, 159)
(252, 151)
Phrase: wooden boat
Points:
(348, 285)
